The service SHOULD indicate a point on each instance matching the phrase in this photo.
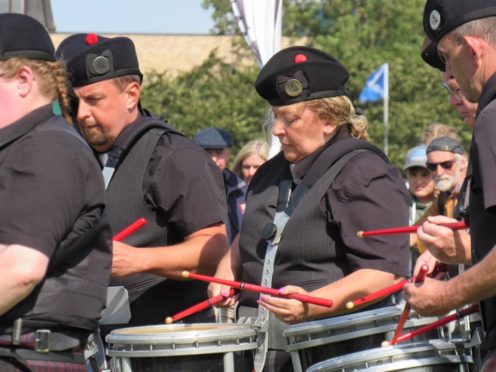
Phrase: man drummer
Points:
(465, 34)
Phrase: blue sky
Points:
(132, 16)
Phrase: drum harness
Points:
(272, 232)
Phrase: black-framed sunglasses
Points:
(447, 165)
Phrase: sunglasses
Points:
(447, 165)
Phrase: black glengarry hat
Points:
(443, 16)
(430, 55)
(91, 58)
(299, 74)
(25, 37)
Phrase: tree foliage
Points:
(362, 34)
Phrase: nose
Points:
(278, 128)
(251, 171)
(83, 112)
(454, 100)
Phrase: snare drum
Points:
(431, 356)
(315, 341)
(183, 347)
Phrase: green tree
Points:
(362, 34)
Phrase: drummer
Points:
(318, 252)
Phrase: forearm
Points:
(475, 284)
(199, 252)
(358, 284)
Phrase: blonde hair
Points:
(438, 130)
(340, 110)
(256, 147)
(52, 79)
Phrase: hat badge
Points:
(435, 19)
(101, 65)
(293, 87)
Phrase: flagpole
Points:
(386, 110)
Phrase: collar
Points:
(488, 94)
(25, 124)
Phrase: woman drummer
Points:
(318, 251)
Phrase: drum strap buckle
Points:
(43, 340)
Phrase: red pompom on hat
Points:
(91, 39)
(300, 58)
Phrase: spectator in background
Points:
(420, 182)
(218, 144)
(438, 130)
(250, 158)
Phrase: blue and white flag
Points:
(376, 86)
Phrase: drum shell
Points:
(431, 356)
(312, 342)
(198, 347)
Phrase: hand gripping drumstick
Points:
(406, 310)
(438, 323)
(198, 307)
(460, 225)
(259, 289)
(440, 267)
(124, 233)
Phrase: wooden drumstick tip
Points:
(360, 234)
(350, 305)
(168, 320)
(185, 274)
(385, 343)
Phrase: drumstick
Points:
(198, 307)
(124, 233)
(438, 323)
(259, 289)
(440, 267)
(408, 229)
(406, 310)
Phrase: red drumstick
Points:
(123, 234)
(408, 229)
(438, 323)
(198, 307)
(406, 310)
(440, 267)
(259, 289)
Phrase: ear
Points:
(24, 78)
(133, 92)
(329, 128)
(476, 46)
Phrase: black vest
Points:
(311, 251)
(152, 297)
(74, 290)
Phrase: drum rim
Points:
(382, 353)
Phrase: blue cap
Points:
(416, 157)
(213, 138)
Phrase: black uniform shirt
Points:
(44, 184)
(482, 205)
(181, 181)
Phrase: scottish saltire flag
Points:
(376, 86)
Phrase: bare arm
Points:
(436, 297)
(22, 269)
(201, 251)
(359, 283)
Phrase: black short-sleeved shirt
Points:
(319, 244)
(181, 182)
(44, 184)
(180, 191)
(482, 204)
(52, 200)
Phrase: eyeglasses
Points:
(454, 92)
(446, 165)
